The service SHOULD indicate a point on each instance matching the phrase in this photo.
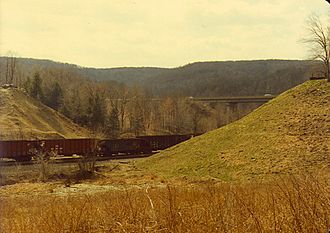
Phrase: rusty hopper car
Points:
(20, 149)
(69, 147)
(124, 146)
(162, 142)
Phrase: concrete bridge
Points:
(234, 99)
(229, 109)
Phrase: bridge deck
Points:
(235, 99)
(229, 99)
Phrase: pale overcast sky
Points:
(165, 33)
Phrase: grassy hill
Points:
(22, 117)
(289, 134)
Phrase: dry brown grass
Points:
(294, 204)
(22, 117)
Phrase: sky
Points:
(171, 33)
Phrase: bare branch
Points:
(318, 42)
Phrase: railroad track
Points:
(76, 159)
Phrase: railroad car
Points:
(67, 147)
(21, 150)
(16, 149)
(124, 146)
(162, 142)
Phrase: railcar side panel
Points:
(69, 147)
(162, 142)
(15, 148)
(126, 146)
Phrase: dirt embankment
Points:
(22, 117)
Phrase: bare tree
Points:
(318, 41)
(12, 67)
(119, 99)
(7, 70)
(1, 73)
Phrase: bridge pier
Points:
(232, 113)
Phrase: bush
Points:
(42, 157)
(86, 164)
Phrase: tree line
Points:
(116, 110)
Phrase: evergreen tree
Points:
(55, 96)
(66, 112)
(113, 125)
(136, 121)
(96, 110)
(27, 85)
(77, 111)
(36, 90)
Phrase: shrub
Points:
(43, 157)
(294, 204)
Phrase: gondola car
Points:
(22, 150)
(67, 147)
(124, 146)
(16, 149)
(162, 142)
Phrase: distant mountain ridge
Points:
(218, 78)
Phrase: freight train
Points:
(22, 150)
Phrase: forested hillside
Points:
(233, 78)
(121, 102)
(212, 78)
(230, 78)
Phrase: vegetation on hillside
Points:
(111, 109)
(197, 79)
(233, 78)
(268, 172)
(287, 135)
(23, 117)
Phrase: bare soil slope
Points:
(22, 117)
(289, 134)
